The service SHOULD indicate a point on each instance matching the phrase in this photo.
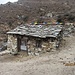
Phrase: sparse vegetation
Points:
(26, 11)
(66, 17)
(13, 14)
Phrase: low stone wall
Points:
(12, 44)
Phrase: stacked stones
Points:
(45, 47)
(12, 44)
(48, 36)
(68, 29)
(31, 47)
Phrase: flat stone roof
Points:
(41, 31)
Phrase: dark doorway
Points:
(22, 43)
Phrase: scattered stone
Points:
(70, 64)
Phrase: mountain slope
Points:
(13, 14)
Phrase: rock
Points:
(37, 54)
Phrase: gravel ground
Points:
(60, 62)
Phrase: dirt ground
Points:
(60, 62)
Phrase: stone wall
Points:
(68, 30)
(31, 46)
(46, 46)
(12, 44)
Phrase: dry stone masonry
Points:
(12, 44)
(35, 39)
(68, 29)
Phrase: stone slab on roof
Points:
(41, 31)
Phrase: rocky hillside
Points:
(23, 9)
(13, 14)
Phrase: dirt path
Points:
(53, 63)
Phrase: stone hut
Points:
(34, 39)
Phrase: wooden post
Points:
(19, 43)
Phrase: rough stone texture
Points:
(68, 29)
(12, 44)
(46, 45)
(40, 38)
(31, 47)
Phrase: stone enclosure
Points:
(34, 39)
